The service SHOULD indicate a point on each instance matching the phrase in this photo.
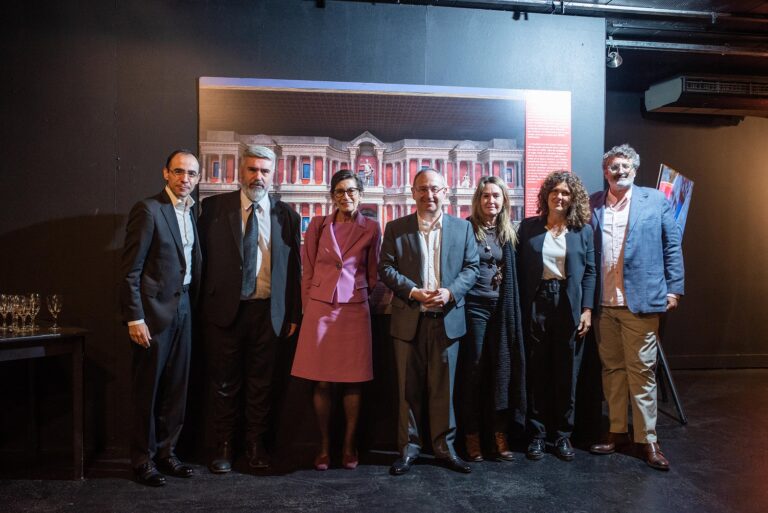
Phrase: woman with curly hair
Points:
(556, 271)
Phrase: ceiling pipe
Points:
(562, 7)
(687, 48)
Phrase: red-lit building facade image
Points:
(305, 165)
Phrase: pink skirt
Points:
(334, 343)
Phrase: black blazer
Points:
(153, 265)
(579, 265)
(221, 237)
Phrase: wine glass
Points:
(34, 308)
(24, 313)
(4, 309)
(16, 308)
(54, 306)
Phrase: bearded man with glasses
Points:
(638, 249)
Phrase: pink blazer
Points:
(331, 272)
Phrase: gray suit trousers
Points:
(428, 361)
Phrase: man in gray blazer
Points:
(638, 248)
(429, 260)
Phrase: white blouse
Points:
(553, 256)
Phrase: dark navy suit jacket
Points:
(579, 266)
(153, 265)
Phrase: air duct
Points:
(710, 94)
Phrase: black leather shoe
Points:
(564, 449)
(148, 475)
(535, 449)
(173, 466)
(402, 465)
(257, 456)
(222, 460)
(457, 464)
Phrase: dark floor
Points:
(719, 464)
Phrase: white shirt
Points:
(553, 256)
(615, 221)
(184, 218)
(430, 236)
(264, 253)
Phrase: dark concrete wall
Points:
(95, 94)
(726, 239)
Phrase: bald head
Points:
(429, 193)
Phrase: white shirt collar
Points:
(426, 226)
(246, 203)
(610, 199)
(178, 202)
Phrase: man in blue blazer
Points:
(429, 260)
(638, 248)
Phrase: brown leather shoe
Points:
(502, 447)
(257, 456)
(654, 457)
(611, 442)
(472, 445)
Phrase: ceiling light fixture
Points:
(613, 59)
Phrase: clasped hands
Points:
(432, 298)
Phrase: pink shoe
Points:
(349, 461)
(321, 462)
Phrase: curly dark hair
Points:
(578, 212)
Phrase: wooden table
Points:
(42, 343)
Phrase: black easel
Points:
(664, 375)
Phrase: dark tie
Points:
(250, 249)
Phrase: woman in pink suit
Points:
(339, 260)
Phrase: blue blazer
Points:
(579, 266)
(653, 254)
(400, 270)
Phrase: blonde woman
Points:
(491, 368)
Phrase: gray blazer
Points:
(400, 270)
(653, 255)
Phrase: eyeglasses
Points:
(190, 173)
(434, 189)
(352, 192)
(618, 166)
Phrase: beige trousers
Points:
(627, 344)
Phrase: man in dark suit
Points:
(161, 262)
(638, 248)
(429, 260)
(251, 297)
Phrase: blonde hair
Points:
(504, 230)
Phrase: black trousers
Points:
(242, 356)
(474, 374)
(160, 375)
(554, 358)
